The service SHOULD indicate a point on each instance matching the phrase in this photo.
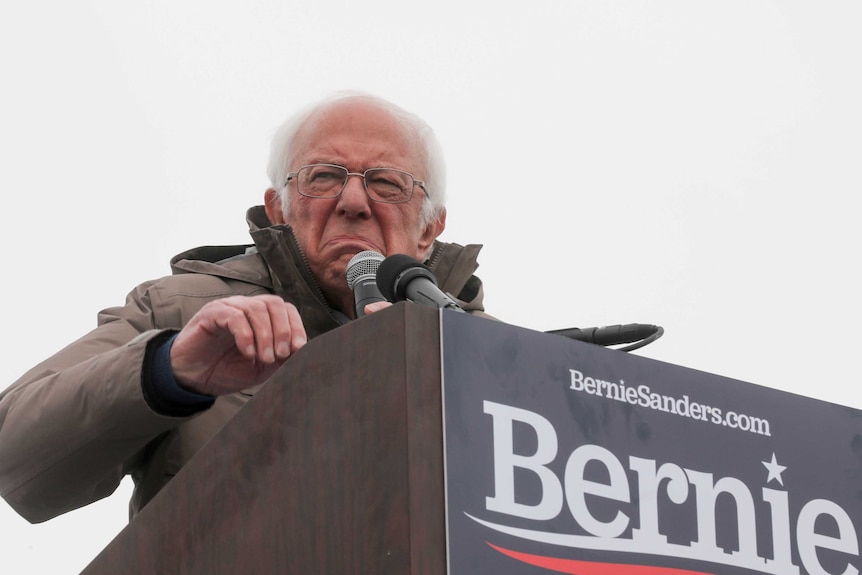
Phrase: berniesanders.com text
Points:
(643, 396)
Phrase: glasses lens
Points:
(321, 180)
(391, 186)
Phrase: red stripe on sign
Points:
(591, 567)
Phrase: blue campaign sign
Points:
(565, 457)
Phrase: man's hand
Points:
(236, 343)
(376, 306)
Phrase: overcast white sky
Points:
(690, 164)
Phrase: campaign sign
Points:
(565, 457)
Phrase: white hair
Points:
(281, 149)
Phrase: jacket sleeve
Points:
(70, 428)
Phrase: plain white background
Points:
(690, 164)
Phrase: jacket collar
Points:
(290, 273)
(276, 262)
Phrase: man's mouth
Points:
(353, 244)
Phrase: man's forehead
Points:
(355, 124)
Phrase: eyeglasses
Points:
(386, 185)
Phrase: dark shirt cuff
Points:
(161, 390)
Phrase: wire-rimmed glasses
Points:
(386, 185)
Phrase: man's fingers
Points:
(266, 328)
(260, 314)
(298, 337)
(234, 319)
(287, 331)
(376, 306)
(236, 341)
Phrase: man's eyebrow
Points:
(322, 160)
(346, 167)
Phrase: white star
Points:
(774, 470)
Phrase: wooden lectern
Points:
(335, 466)
(560, 457)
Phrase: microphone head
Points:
(363, 266)
(394, 275)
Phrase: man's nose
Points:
(354, 200)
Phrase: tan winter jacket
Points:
(73, 426)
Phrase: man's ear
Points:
(431, 232)
(272, 202)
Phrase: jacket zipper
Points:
(312, 281)
(436, 254)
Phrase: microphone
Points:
(612, 334)
(401, 277)
(362, 279)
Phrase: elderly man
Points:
(152, 383)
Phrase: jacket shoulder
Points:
(175, 299)
(454, 266)
(241, 262)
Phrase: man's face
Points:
(358, 136)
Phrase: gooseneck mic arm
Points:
(636, 334)
(401, 277)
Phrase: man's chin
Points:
(338, 261)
